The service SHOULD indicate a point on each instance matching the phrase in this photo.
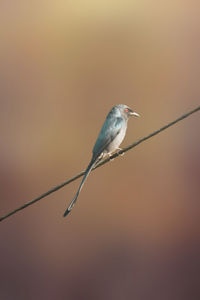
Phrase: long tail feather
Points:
(87, 172)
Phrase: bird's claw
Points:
(110, 155)
(121, 154)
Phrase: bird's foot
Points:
(121, 154)
(110, 155)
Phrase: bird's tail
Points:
(87, 172)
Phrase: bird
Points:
(109, 139)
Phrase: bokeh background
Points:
(134, 233)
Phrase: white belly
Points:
(117, 141)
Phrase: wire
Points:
(115, 155)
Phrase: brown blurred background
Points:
(134, 233)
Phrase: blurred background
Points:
(134, 233)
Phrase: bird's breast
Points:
(117, 140)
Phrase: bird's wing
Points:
(109, 131)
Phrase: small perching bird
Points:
(110, 137)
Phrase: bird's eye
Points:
(126, 110)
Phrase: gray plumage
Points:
(110, 137)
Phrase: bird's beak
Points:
(133, 113)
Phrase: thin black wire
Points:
(56, 188)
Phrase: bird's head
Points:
(126, 111)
